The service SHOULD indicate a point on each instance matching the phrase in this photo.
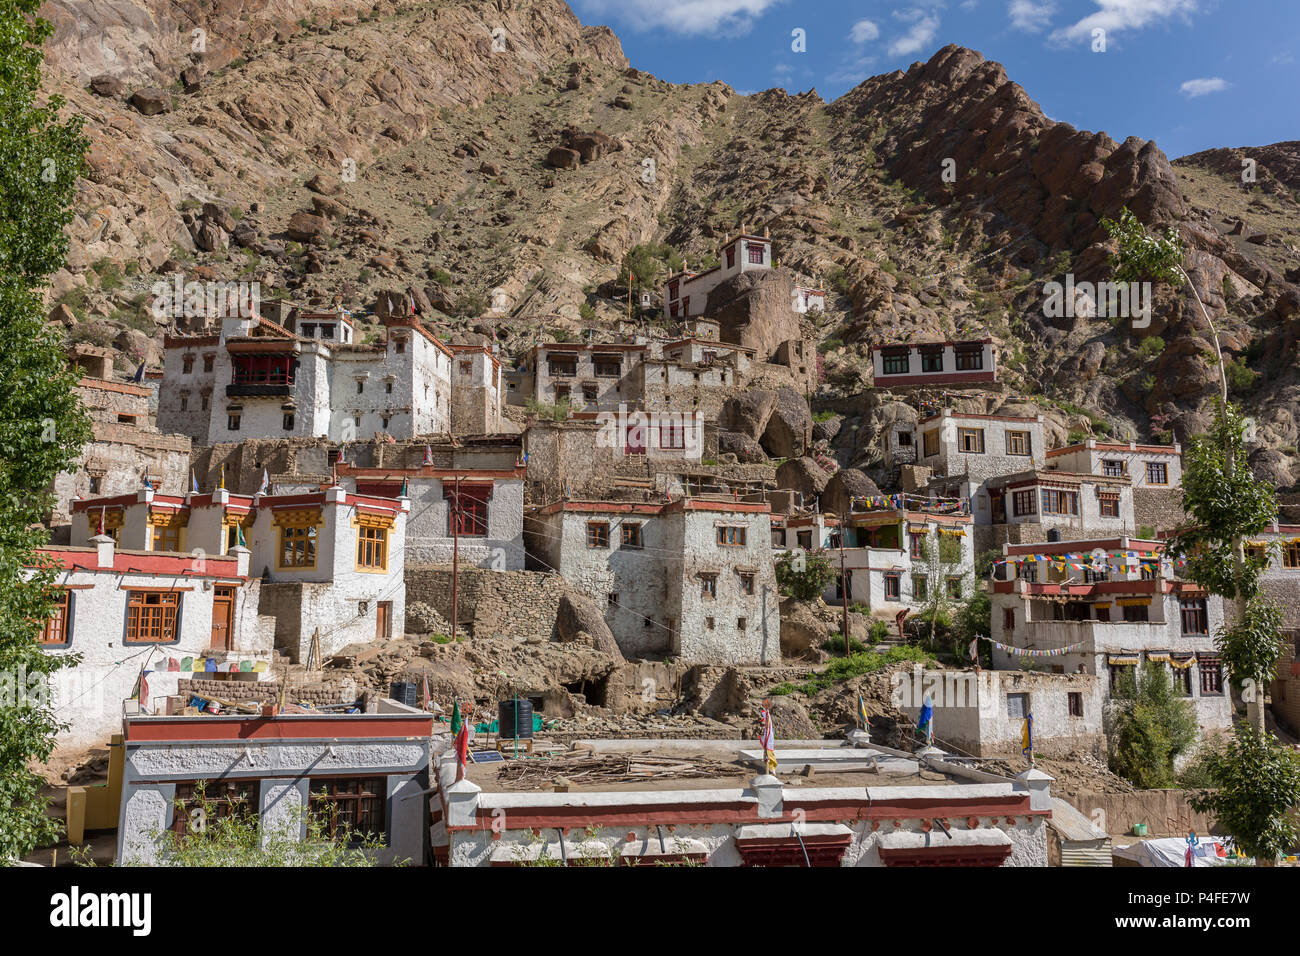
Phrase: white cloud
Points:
(922, 33)
(1117, 15)
(863, 31)
(680, 16)
(1029, 15)
(1211, 84)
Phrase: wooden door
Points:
(223, 618)
(383, 620)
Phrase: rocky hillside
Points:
(470, 154)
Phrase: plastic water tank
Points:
(515, 719)
(404, 692)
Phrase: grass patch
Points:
(857, 664)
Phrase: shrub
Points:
(1151, 347)
(804, 575)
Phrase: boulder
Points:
(306, 226)
(748, 412)
(105, 85)
(151, 101)
(845, 485)
(747, 450)
(325, 184)
(191, 79)
(828, 428)
(579, 615)
(562, 158)
(754, 310)
(789, 430)
(803, 475)
(222, 217)
(210, 237)
(328, 208)
(790, 721)
(802, 631)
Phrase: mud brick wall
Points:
(519, 604)
(268, 692)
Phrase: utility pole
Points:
(844, 588)
(455, 556)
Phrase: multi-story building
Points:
(486, 530)
(691, 578)
(1047, 505)
(1156, 472)
(967, 449)
(252, 378)
(124, 449)
(331, 563)
(139, 621)
(969, 362)
(894, 557)
(687, 293)
(1107, 605)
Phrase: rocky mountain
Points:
(493, 162)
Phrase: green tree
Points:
(1256, 790)
(42, 427)
(941, 566)
(1150, 726)
(648, 262)
(804, 575)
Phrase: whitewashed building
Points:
(1148, 466)
(330, 562)
(1115, 602)
(687, 293)
(691, 578)
(969, 362)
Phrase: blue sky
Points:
(1190, 74)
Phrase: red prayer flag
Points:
(462, 750)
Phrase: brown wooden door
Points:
(223, 617)
(383, 620)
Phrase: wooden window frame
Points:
(709, 585)
(1020, 444)
(165, 620)
(1163, 472)
(963, 436)
(371, 790)
(598, 534)
(930, 443)
(889, 364)
(59, 623)
(631, 535)
(1194, 611)
(732, 536)
(372, 549)
(1020, 498)
(234, 796)
(294, 539)
(1210, 670)
(893, 586)
(747, 579)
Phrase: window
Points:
(1211, 669)
(187, 364)
(399, 345)
(1091, 575)
(920, 587)
(351, 808)
(372, 548)
(1192, 612)
(563, 367)
(298, 546)
(262, 370)
(1018, 443)
(166, 538)
(708, 623)
(731, 256)
(608, 366)
(1058, 502)
(930, 446)
(207, 362)
(904, 440)
(466, 368)
(286, 421)
(708, 585)
(1157, 473)
(361, 387)
(1291, 554)
(1074, 703)
(388, 388)
(897, 363)
(185, 401)
(327, 331)
(746, 582)
(1017, 706)
(151, 617)
(561, 394)
(613, 599)
(1029, 570)
(1107, 504)
(1182, 678)
(954, 587)
(55, 630)
(632, 534)
(598, 534)
(805, 539)
(232, 420)
(672, 434)
(199, 803)
(755, 251)
(204, 398)
(741, 623)
(309, 330)
(1112, 469)
(932, 361)
(1008, 619)
(1118, 676)
(971, 440)
(970, 360)
(730, 536)
(917, 549)
(1136, 613)
(1024, 503)
(94, 484)
(893, 586)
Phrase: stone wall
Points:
(519, 604)
(1161, 508)
(267, 692)
(1167, 813)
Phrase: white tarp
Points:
(1172, 851)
